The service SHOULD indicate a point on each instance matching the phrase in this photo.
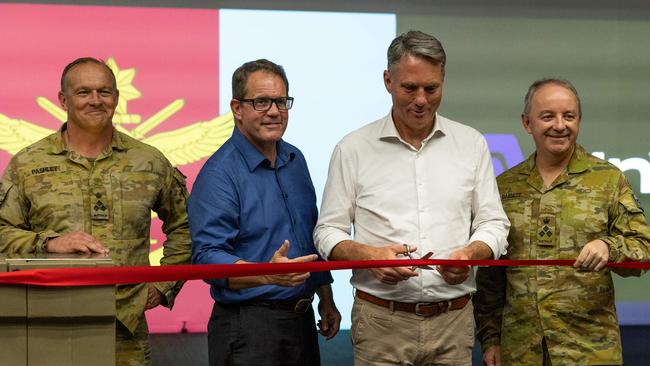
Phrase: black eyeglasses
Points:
(264, 104)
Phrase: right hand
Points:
(392, 275)
(288, 279)
(492, 356)
(76, 242)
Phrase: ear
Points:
(235, 107)
(62, 100)
(525, 121)
(387, 82)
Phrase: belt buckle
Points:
(419, 313)
(302, 306)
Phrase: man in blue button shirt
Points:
(254, 201)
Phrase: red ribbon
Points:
(121, 275)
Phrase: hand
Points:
(392, 275)
(593, 256)
(454, 275)
(330, 319)
(154, 297)
(288, 279)
(76, 242)
(492, 356)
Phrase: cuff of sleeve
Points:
(614, 253)
(169, 290)
(490, 241)
(326, 244)
(42, 238)
(489, 342)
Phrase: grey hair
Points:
(240, 76)
(418, 44)
(535, 86)
(85, 60)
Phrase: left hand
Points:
(154, 297)
(593, 256)
(455, 275)
(330, 319)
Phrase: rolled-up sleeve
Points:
(489, 222)
(338, 205)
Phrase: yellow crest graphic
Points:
(181, 146)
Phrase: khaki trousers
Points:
(132, 349)
(382, 337)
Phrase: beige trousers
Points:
(382, 337)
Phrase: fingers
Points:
(593, 256)
(492, 356)
(76, 242)
(304, 258)
(399, 249)
(330, 328)
(282, 251)
(394, 275)
(289, 279)
(454, 275)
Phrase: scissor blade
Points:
(427, 256)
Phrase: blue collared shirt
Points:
(242, 208)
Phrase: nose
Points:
(274, 110)
(559, 123)
(420, 98)
(94, 98)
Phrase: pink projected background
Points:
(168, 61)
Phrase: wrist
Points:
(42, 242)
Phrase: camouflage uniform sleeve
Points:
(15, 233)
(177, 247)
(488, 302)
(629, 234)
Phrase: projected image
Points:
(173, 69)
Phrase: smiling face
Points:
(553, 121)
(89, 97)
(415, 85)
(262, 128)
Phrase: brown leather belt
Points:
(424, 309)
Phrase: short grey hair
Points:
(418, 44)
(85, 60)
(535, 86)
(243, 72)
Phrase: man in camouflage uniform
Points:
(90, 189)
(563, 203)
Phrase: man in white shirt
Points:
(411, 183)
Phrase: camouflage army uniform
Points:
(573, 311)
(48, 190)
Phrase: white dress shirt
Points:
(439, 198)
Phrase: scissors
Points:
(426, 256)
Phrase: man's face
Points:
(262, 128)
(89, 97)
(415, 85)
(553, 120)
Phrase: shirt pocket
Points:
(56, 202)
(134, 195)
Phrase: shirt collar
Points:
(579, 161)
(254, 157)
(59, 146)
(388, 131)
